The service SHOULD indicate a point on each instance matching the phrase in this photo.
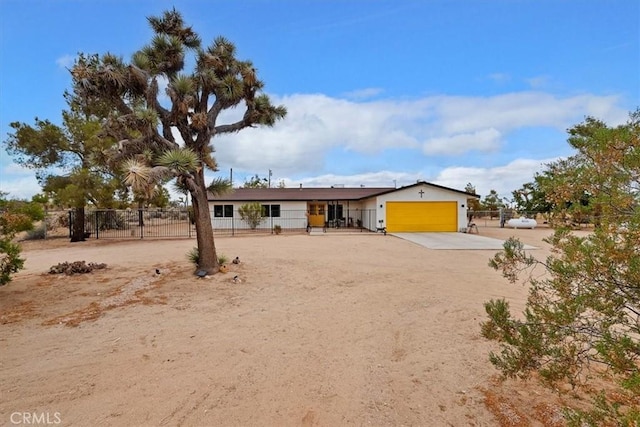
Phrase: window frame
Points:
(271, 211)
(223, 211)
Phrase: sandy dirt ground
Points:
(331, 330)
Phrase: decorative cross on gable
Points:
(421, 192)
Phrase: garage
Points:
(421, 216)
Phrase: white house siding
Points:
(371, 207)
(429, 194)
(292, 215)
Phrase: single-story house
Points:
(420, 207)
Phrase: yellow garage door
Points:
(421, 216)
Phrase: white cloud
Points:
(522, 109)
(363, 93)
(318, 125)
(504, 179)
(483, 140)
(14, 169)
(21, 182)
(23, 187)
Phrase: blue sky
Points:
(379, 92)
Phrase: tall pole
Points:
(270, 173)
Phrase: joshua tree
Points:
(157, 142)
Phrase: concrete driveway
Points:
(454, 241)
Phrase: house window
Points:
(223, 211)
(271, 211)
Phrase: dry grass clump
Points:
(76, 267)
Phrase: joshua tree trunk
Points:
(208, 259)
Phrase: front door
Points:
(316, 214)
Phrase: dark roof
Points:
(316, 193)
(304, 193)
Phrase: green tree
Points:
(15, 216)
(574, 203)
(155, 139)
(160, 198)
(251, 213)
(75, 148)
(492, 202)
(473, 203)
(255, 182)
(530, 198)
(581, 318)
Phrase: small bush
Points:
(194, 256)
(76, 267)
(10, 261)
(277, 229)
(252, 214)
(12, 223)
(38, 233)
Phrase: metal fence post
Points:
(141, 223)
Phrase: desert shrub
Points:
(194, 256)
(76, 267)
(15, 216)
(251, 213)
(277, 229)
(12, 223)
(31, 210)
(10, 261)
(38, 233)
